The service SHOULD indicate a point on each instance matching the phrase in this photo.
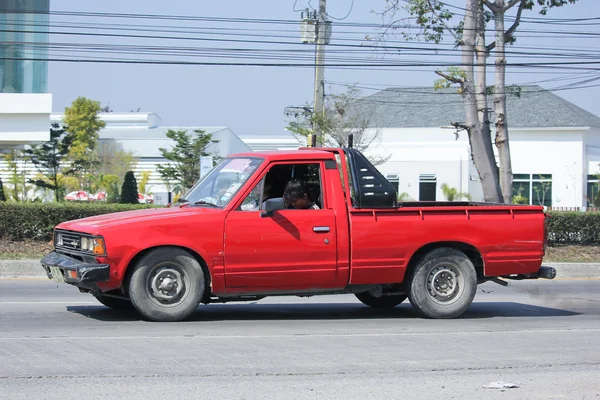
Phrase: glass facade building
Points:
(24, 46)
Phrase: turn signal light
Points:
(99, 248)
(72, 274)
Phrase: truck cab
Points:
(236, 236)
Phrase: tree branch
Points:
(456, 37)
(513, 28)
(450, 78)
(511, 4)
(489, 4)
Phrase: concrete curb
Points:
(21, 269)
(33, 269)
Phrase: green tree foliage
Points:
(16, 161)
(344, 114)
(50, 159)
(404, 196)
(185, 157)
(435, 18)
(2, 195)
(129, 190)
(113, 159)
(143, 184)
(112, 194)
(104, 182)
(83, 124)
(452, 193)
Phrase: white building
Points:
(25, 105)
(555, 145)
(143, 136)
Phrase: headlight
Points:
(78, 242)
(93, 245)
(87, 244)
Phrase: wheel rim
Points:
(167, 285)
(445, 284)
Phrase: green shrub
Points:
(2, 195)
(574, 228)
(129, 190)
(37, 221)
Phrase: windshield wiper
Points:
(205, 203)
(182, 200)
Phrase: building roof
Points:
(426, 107)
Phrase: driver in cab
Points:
(296, 196)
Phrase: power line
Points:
(347, 15)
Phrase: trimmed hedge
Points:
(572, 227)
(37, 220)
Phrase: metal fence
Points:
(579, 209)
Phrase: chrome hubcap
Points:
(443, 284)
(167, 285)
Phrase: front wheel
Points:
(380, 302)
(167, 285)
(443, 284)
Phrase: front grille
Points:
(70, 241)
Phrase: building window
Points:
(427, 187)
(23, 67)
(593, 186)
(532, 189)
(394, 179)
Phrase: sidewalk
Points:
(33, 269)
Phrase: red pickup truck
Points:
(234, 236)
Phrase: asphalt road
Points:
(544, 336)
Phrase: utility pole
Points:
(320, 32)
(315, 29)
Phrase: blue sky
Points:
(251, 100)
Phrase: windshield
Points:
(222, 183)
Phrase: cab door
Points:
(288, 250)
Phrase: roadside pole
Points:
(320, 66)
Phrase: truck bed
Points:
(455, 204)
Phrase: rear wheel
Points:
(380, 302)
(167, 285)
(113, 302)
(443, 284)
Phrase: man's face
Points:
(300, 203)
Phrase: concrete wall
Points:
(24, 119)
(560, 152)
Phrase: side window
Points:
(302, 181)
(304, 190)
(252, 201)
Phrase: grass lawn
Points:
(31, 249)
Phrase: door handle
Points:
(321, 229)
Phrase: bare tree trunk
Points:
(506, 177)
(481, 55)
(481, 157)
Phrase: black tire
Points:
(457, 280)
(167, 285)
(114, 303)
(380, 302)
